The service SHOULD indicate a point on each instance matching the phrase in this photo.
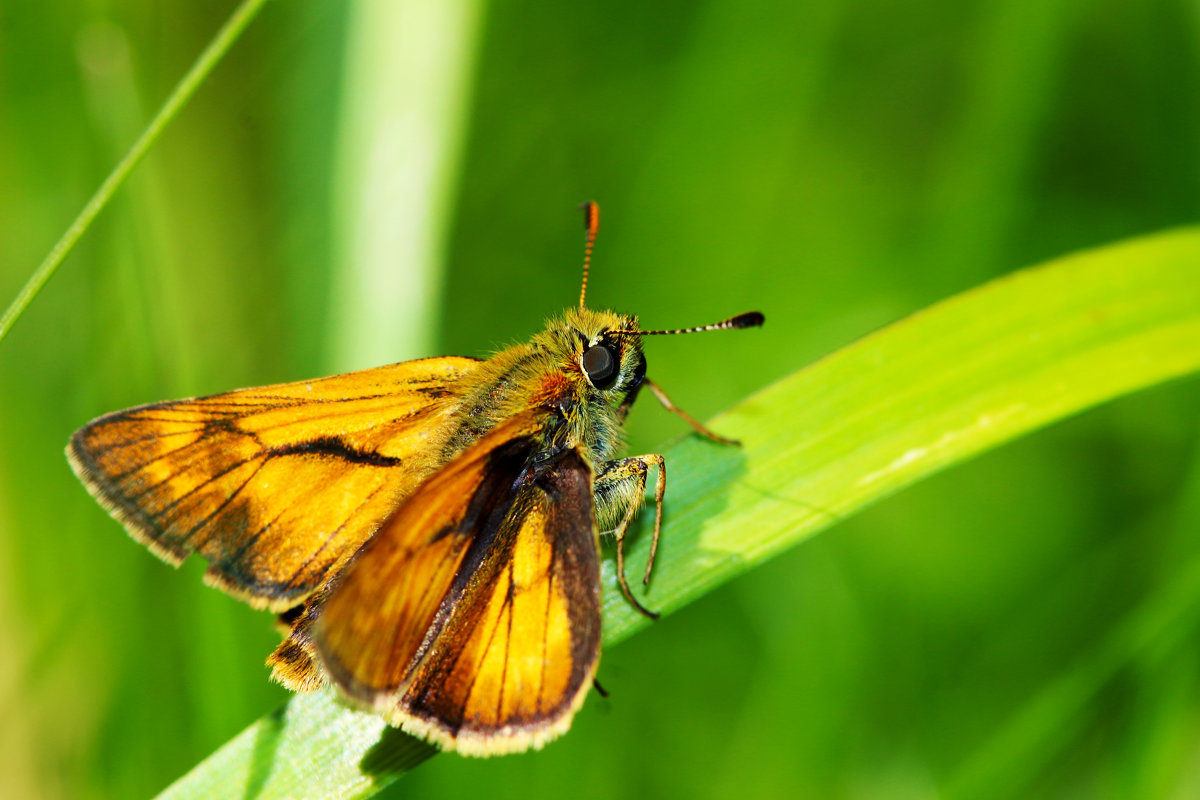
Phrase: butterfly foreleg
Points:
(688, 418)
(620, 489)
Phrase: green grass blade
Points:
(937, 388)
(404, 115)
(179, 96)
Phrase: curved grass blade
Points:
(179, 96)
(963, 376)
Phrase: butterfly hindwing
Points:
(274, 486)
(498, 652)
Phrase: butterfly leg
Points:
(621, 486)
(688, 418)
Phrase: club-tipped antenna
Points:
(751, 319)
(591, 223)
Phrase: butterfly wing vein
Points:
(276, 487)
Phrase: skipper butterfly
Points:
(427, 531)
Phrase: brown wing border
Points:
(136, 521)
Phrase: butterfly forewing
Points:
(497, 656)
(275, 486)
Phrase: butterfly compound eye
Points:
(600, 365)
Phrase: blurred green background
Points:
(366, 182)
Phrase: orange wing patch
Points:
(503, 657)
(275, 486)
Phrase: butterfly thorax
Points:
(549, 372)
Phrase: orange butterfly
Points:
(428, 531)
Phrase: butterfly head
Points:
(607, 347)
(604, 349)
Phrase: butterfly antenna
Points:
(591, 222)
(751, 319)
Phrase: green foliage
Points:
(182, 93)
(1022, 625)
